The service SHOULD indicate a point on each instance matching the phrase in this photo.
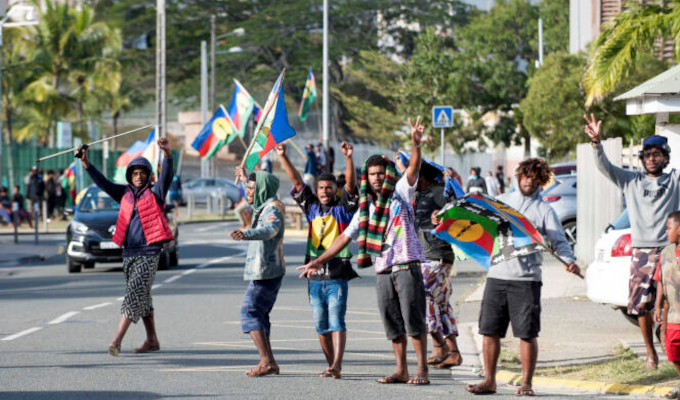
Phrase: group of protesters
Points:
(390, 211)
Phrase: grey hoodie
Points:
(649, 200)
(539, 213)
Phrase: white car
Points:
(608, 275)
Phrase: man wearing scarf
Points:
(264, 266)
(385, 229)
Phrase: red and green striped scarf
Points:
(372, 230)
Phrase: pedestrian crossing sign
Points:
(442, 116)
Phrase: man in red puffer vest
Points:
(141, 230)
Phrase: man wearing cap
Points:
(651, 195)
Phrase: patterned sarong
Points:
(139, 274)
(440, 318)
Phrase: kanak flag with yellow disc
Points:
(486, 230)
(215, 134)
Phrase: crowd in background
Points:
(491, 184)
(54, 190)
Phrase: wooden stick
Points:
(265, 112)
(243, 142)
(297, 148)
(535, 239)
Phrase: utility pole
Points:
(540, 42)
(161, 103)
(205, 166)
(213, 85)
(326, 77)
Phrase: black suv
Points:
(90, 232)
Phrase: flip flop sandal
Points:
(479, 390)
(436, 359)
(673, 394)
(651, 364)
(391, 379)
(146, 348)
(262, 371)
(525, 392)
(114, 349)
(418, 381)
(444, 364)
(331, 373)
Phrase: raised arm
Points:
(413, 169)
(618, 176)
(293, 174)
(167, 171)
(350, 172)
(114, 190)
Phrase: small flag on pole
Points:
(308, 96)
(240, 108)
(216, 133)
(274, 130)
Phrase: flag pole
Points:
(534, 238)
(265, 112)
(297, 148)
(90, 144)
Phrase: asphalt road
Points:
(56, 327)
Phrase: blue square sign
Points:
(442, 116)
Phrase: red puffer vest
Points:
(154, 223)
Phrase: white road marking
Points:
(22, 333)
(63, 317)
(172, 278)
(156, 286)
(189, 271)
(121, 298)
(100, 305)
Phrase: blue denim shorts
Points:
(258, 303)
(328, 299)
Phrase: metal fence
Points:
(599, 201)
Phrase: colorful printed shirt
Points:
(327, 222)
(668, 275)
(401, 247)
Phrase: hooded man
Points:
(651, 196)
(141, 230)
(385, 229)
(264, 263)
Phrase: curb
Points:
(594, 387)
(512, 378)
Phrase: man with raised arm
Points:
(385, 229)
(328, 216)
(650, 195)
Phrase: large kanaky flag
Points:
(148, 149)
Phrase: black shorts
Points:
(516, 302)
(401, 301)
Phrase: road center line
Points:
(156, 286)
(63, 317)
(189, 271)
(22, 333)
(172, 278)
(100, 305)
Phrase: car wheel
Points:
(630, 318)
(570, 232)
(228, 204)
(174, 259)
(164, 261)
(73, 267)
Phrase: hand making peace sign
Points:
(593, 127)
(417, 132)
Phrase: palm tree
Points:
(78, 56)
(631, 34)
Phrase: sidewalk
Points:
(575, 332)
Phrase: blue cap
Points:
(660, 142)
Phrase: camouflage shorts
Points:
(641, 289)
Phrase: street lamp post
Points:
(3, 24)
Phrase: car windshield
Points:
(96, 199)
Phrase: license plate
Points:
(108, 245)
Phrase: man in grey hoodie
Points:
(513, 286)
(650, 196)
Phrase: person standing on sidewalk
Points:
(429, 199)
(328, 217)
(513, 287)
(264, 263)
(141, 230)
(667, 276)
(385, 228)
(651, 196)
